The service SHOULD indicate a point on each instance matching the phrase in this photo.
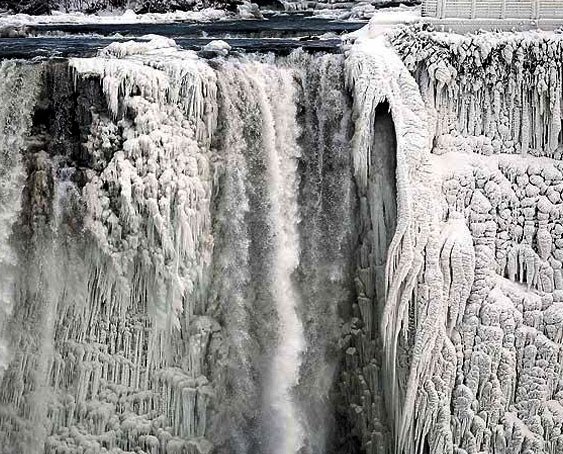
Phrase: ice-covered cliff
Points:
(175, 272)
(470, 329)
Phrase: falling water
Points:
(280, 133)
(283, 247)
(263, 164)
(18, 89)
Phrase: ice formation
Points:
(170, 294)
(127, 17)
(470, 351)
(413, 249)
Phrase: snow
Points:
(218, 46)
(128, 17)
(359, 10)
(385, 20)
(249, 10)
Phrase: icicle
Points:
(369, 65)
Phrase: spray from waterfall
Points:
(280, 140)
(269, 147)
(270, 238)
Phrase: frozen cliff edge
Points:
(426, 270)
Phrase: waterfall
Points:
(328, 234)
(259, 154)
(187, 252)
(264, 245)
(280, 135)
(298, 254)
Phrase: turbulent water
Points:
(178, 271)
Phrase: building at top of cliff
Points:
(493, 9)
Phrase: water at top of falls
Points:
(279, 33)
(48, 47)
(274, 26)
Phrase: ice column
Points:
(19, 87)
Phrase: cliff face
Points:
(471, 330)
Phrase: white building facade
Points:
(493, 9)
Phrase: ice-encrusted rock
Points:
(162, 176)
(218, 46)
(491, 382)
(111, 352)
(492, 92)
(417, 352)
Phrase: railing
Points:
(493, 9)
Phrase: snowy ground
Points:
(384, 20)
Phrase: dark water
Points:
(84, 46)
(274, 26)
(277, 33)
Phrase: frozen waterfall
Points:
(176, 280)
(19, 89)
